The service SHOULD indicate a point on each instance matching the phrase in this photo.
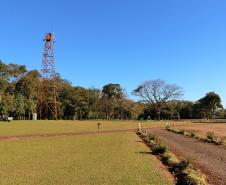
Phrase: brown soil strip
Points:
(32, 136)
(209, 158)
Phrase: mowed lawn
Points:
(116, 158)
(43, 127)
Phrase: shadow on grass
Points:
(143, 153)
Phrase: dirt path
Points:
(33, 136)
(211, 159)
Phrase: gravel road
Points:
(209, 158)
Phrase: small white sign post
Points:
(139, 126)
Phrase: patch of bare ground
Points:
(201, 129)
(33, 136)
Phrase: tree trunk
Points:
(158, 113)
(74, 117)
(213, 113)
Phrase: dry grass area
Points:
(202, 129)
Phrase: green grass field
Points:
(117, 158)
(40, 127)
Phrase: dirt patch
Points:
(33, 136)
(201, 129)
(211, 159)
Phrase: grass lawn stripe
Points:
(117, 159)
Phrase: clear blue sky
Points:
(122, 41)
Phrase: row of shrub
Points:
(210, 136)
(184, 172)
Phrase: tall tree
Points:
(27, 86)
(185, 109)
(111, 95)
(210, 103)
(20, 106)
(4, 73)
(94, 103)
(157, 94)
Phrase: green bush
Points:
(184, 164)
(159, 149)
(170, 159)
(138, 132)
(211, 136)
(182, 132)
(176, 130)
(187, 134)
(194, 177)
(165, 158)
(223, 140)
(168, 128)
(193, 135)
(220, 142)
(151, 137)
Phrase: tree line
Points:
(162, 102)
(157, 99)
(19, 97)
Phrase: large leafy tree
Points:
(111, 96)
(94, 100)
(9, 75)
(210, 102)
(74, 102)
(27, 86)
(20, 106)
(4, 73)
(185, 109)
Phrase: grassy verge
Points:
(210, 136)
(117, 159)
(184, 172)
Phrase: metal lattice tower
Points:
(47, 99)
